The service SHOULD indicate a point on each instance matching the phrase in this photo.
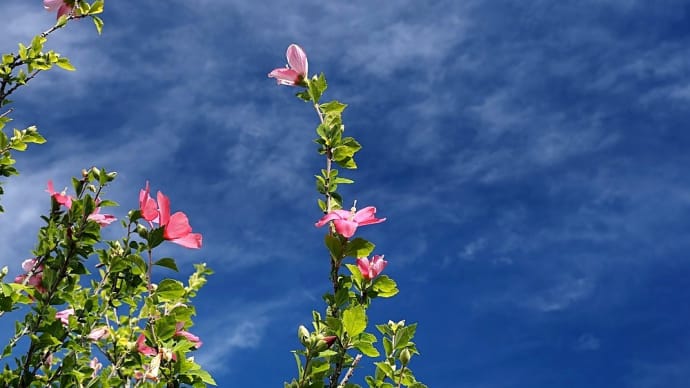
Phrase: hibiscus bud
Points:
(405, 356)
(302, 335)
(330, 340)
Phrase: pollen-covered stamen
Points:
(353, 210)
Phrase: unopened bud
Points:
(405, 356)
(302, 335)
(84, 173)
(330, 340)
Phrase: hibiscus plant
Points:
(105, 313)
(333, 350)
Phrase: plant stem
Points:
(350, 371)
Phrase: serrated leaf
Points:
(170, 290)
(354, 320)
(317, 85)
(333, 107)
(385, 287)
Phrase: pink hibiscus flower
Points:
(98, 333)
(143, 348)
(60, 6)
(61, 198)
(147, 205)
(63, 316)
(101, 219)
(176, 226)
(189, 336)
(297, 70)
(371, 269)
(36, 280)
(346, 222)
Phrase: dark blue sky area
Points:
(531, 159)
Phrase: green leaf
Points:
(204, 376)
(165, 327)
(340, 180)
(99, 24)
(333, 107)
(334, 246)
(385, 287)
(316, 87)
(23, 52)
(304, 95)
(359, 247)
(64, 63)
(404, 335)
(319, 367)
(385, 368)
(348, 163)
(96, 7)
(354, 320)
(167, 262)
(367, 349)
(170, 290)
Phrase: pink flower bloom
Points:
(98, 333)
(143, 348)
(176, 226)
(296, 72)
(61, 198)
(63, 316)
(148, 207)
(101, 219)
(36, 280)
(189, 336)
(346, 222)
(95, 365)
(57, 5)
(371, 269)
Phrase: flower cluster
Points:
(346, 223)
(176, 227)
(65, 200)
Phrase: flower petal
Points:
(163, 208)
(367, 216)
(285, 76)
(297, 60)
(177, 226)
(148, 207)
(192, 240)
(345, 228)
(63, 10)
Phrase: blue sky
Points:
(530, 158)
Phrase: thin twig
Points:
(350, 371)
